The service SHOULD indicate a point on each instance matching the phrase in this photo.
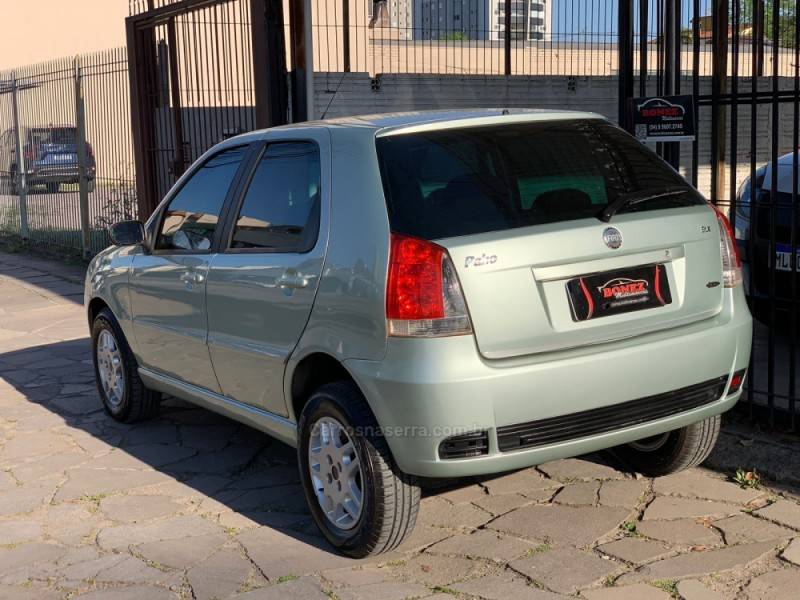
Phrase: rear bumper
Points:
(66, 174)
(425, 391)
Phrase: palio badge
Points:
(479, 261)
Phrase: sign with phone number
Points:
(663, 118)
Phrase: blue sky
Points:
(600, 16)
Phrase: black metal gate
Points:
(201, 71)
(740, 59)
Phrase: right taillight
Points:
(423, 294)
(731, 263)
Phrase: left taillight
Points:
(731, 262)
(423, 294)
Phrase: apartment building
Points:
(531, 20)
(468, 20)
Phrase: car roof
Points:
(378, 125)
(388, 123)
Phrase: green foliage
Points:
(454, 36)
(629, 527)
(668, 585)
(747, 479)
(787, 11)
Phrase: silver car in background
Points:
(439, 294)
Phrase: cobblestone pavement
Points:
(192, 505)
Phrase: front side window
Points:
(193, 214)
(456, 182)
(280, 212)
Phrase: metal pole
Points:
(643, 47)
(625, 58)
(308, 42)
(20, 177)
(719, 86)
(672, 44)
(507, 37)
(83, 182)
(346, 35)
(297, 30)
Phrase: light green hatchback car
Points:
(437, 294)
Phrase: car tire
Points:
(122, 391)
(389, 497)
(53, 188)
(90, 186)
(673, 451)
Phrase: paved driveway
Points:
(193, 505)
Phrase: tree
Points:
(787, 13)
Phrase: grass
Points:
(747, 479)
(93, 497)
(444, 590)
(285, 578)
(396, 563)
(668, 585)
(541, 548)
(629, 527)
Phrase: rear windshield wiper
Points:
(632, 199)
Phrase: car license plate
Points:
(617, 292)
(62, 158)
(783, 261)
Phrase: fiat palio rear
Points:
(554, 288)
(430, 294)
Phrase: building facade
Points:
(470, 20)
(531, 20)
(391, 19)
(452, 20)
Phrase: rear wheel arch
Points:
(311, 373)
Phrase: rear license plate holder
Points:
(617, 292)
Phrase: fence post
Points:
(719, 87)
(625, 60)
(345, 35)
(20, 178)
(507, 38)
(83, 183)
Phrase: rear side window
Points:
(192, 216)
(54, 135)
(458, 182)
(280, 212)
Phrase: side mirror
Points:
(127, 233)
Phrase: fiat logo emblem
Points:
(612, 237)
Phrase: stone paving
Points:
(192, 505)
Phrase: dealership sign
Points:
(663, 118)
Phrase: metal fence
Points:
(66, 163)
(466, 36)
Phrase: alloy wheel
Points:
(110, 368)
(336, 473)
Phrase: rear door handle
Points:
(192, 277)
(292, 281)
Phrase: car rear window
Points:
(456, 182)
(54, 135)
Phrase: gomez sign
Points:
(663, 118)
